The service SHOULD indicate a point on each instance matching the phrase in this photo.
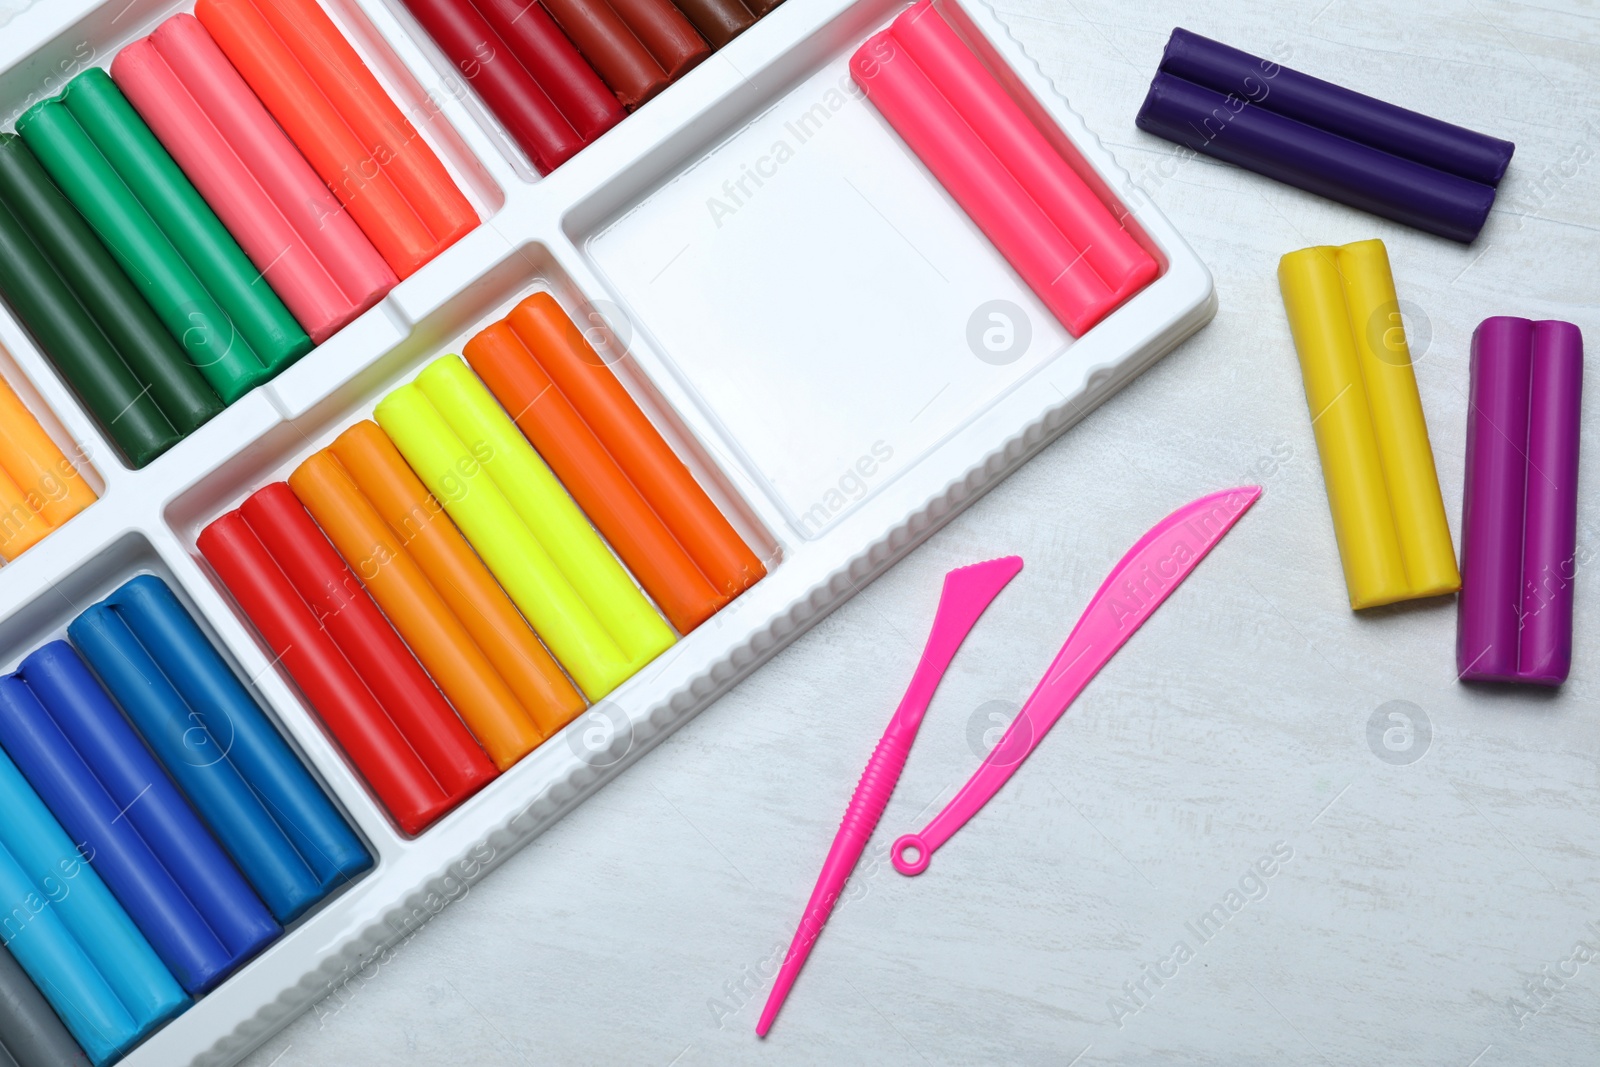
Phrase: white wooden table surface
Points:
(1434, 911)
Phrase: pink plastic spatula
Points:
(1155, 566)
(967, 592)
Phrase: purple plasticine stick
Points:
(1519, 518)
(1324, 139)
(1375, 123)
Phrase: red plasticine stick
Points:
(509, 85)
(360, 678)
(335, 112)
(1049, 225)
(311, 252)
(572, 84)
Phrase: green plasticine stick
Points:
(194, 275)
(139, 342)
(76, 346)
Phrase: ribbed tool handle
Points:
(876, 786)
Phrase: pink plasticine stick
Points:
(1083, 219)
(978, 181)
(294, 230)
(968, 591)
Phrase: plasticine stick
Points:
(82, 951)
(1324, 138)
(366, 638)
(1340, 111)
(246, 783)
(639, 47)
(525, 528)
(1519, 517)
(339, 696)
(601, 488)
(39, 488)
(419, 522)
(52, 486)
(309, 250)
(259, 318)
(31, 1034)
(89, 318)
(599, 398)
(547, 54)
(337, 114)
(1315, 160)
(89, 766)
(379, 704)
(544, 93)
(1549, 551)
(77, 347)
(1394, 541)
(105, 159)
(519, 99)
(544, 506)
(21, 527)
(593, 478)
(719, 21)
(142, 345)
(980, 183)
(1108, 249)
(437, 638)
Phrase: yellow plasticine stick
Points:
(508, 548)
(1388, 516)
(546, 508)
(55, 488)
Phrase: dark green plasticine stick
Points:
(103, 156)
(78, 347)
(115, 306)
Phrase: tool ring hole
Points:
(910, 854)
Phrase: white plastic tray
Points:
(820, 344)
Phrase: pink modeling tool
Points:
(1136, 586)
(967, 592)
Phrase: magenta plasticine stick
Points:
(294, 230)
(1519, 517)
(1108, 249)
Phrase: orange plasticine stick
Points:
(39, 488)
(593, 477)
(638, 450)
(337, 114)
(20, 526)
(418, 523)
(437, 638)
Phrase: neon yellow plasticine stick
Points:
(524, 526)
(1388, 516)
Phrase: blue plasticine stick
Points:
(257, 797)
(99, 780)
(63, 926)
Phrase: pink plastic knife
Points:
(1136, 586)
(967, 592)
